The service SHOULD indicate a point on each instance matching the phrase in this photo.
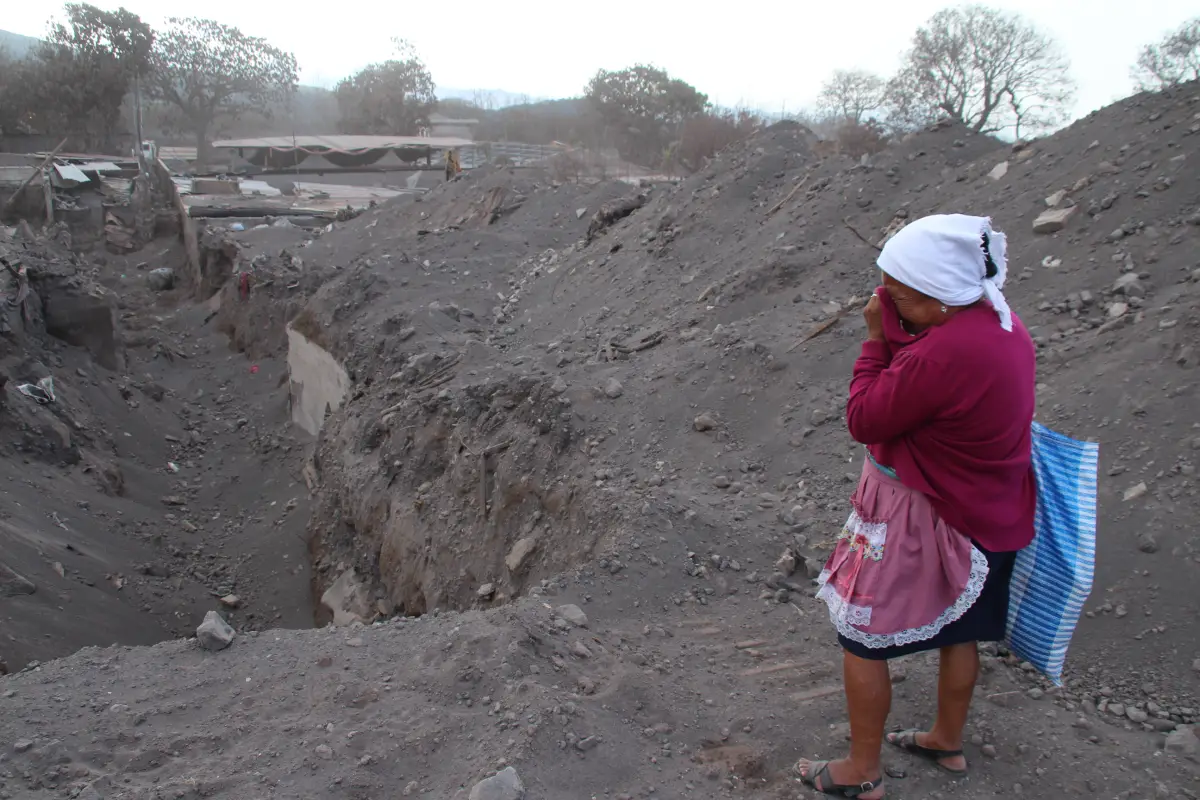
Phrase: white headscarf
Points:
(943, 256)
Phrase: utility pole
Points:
(137, 121)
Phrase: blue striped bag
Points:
(1052, 577)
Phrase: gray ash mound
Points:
(527, 394)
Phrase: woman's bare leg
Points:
(958, 668)
(868, 698)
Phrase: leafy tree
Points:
(851, 95)
(12, 101)
(645, 107)
(985, 68)
(207, 72)
(1172, 61)
(76, 80)
(390, 98)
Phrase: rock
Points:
(161, 279)
(324, 752)
(999, 171)
(231, 601)
(13, 585)
(1055, 200)
(1116, 709)
(1117, 310)
(214, 633)
(486, 591)
(722, 482)
(1053, 221)
(1134, 492)
(1136, 715)
(572, 614)
(704, 422)
(579, 212)
(348, 599)
(989, 750)
(558, 386)
(1147, 543)
(22, 745)
(519, 553)
(1129, 285)
(504, 785)
(1183, 742)
(613, 389)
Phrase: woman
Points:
(943, 398)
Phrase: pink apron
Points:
(898, 573)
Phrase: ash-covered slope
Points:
(638, 422)
(550, 405)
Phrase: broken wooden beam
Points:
(11, 202)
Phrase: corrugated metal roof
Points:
(334, 191)
(70, 173)
(344, 143)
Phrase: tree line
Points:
(990, 70)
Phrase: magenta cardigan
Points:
(950, 410)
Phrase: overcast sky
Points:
(766, 54)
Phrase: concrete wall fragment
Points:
(318, 382)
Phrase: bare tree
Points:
(1175, 59)
(851, 95)
(983, 67)
(483, 99)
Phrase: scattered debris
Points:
(42, 391)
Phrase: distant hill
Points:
(16, 45)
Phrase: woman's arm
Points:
(890, 397)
